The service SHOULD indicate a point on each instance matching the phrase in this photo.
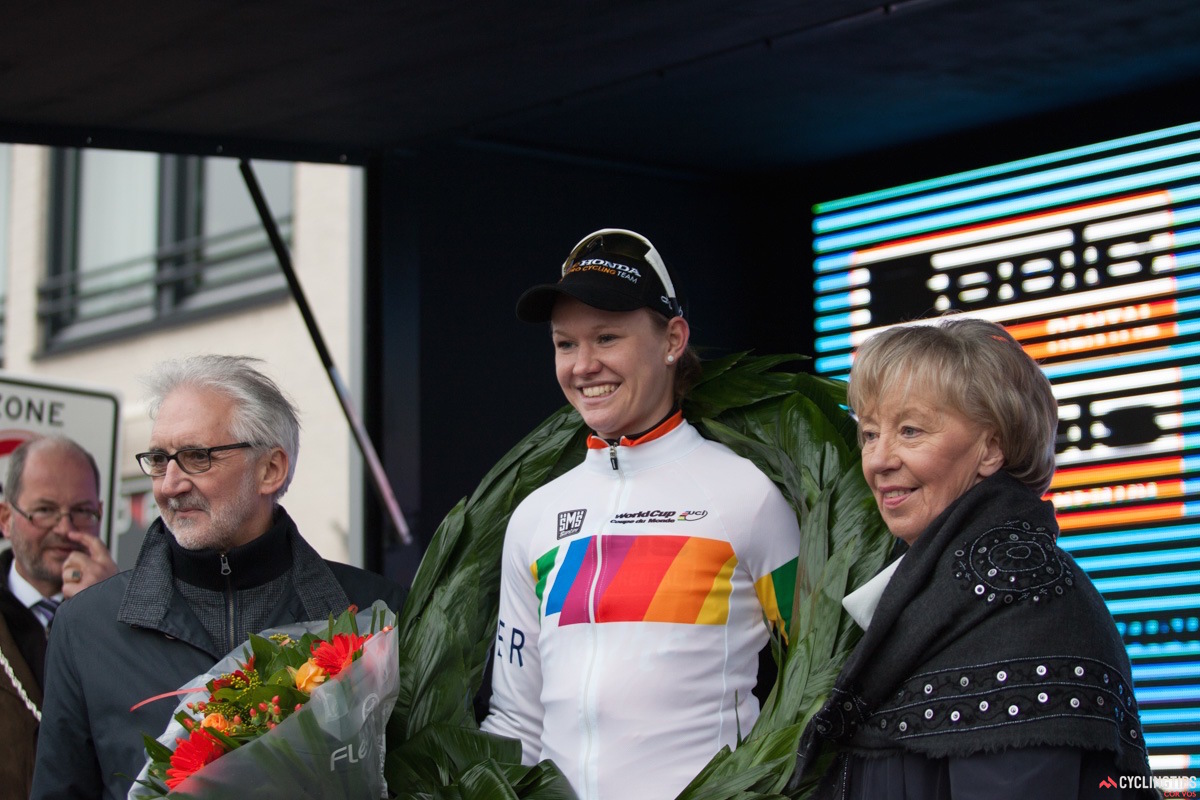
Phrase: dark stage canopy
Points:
(706, 85)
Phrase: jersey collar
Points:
(669, 424)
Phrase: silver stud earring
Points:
(670, 359)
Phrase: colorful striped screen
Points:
(1091, 258)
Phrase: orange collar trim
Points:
(672, 422)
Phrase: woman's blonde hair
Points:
(980, 371)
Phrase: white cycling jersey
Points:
(635, 596)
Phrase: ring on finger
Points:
(76, 574)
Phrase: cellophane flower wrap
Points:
(296, 711)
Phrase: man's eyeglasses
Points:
(192, 460)
(48, 516)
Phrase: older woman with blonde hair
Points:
(990, 667)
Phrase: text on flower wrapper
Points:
(369, 705)
(349, 754)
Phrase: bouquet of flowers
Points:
(298, 711)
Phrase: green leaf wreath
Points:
(791, 424)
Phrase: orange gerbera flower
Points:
(191, 754)
(335, 656)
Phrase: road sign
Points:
(90, 415)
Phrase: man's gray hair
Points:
(18, 457)
(264, 416)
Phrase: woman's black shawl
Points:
(987, 637)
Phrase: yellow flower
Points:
(217, 721)
(309, 676)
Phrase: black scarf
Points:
(987, 637)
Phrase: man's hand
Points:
(86, 566)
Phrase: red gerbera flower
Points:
(191, 754)
(335, 656)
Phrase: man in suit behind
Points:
(51, 517)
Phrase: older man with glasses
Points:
(223, 561)
(51, 517)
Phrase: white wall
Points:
(324, 253)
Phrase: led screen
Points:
(1090, 257)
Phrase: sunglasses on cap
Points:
(617, 239)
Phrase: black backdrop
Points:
(458, 380)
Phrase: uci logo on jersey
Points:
(570, 522)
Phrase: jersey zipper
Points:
(590, 704)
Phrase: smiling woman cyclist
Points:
(636, 589)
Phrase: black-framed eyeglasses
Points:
(48, 516)
(192, 460)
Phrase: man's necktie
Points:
(44, 610)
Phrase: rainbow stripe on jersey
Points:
(682, 579)
(776, 591)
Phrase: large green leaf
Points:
(439, 752)
(486, 781)
(758, 766)
(795, 427)
(543, 781)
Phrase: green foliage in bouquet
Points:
(795, 428)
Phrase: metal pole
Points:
(376, 471)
